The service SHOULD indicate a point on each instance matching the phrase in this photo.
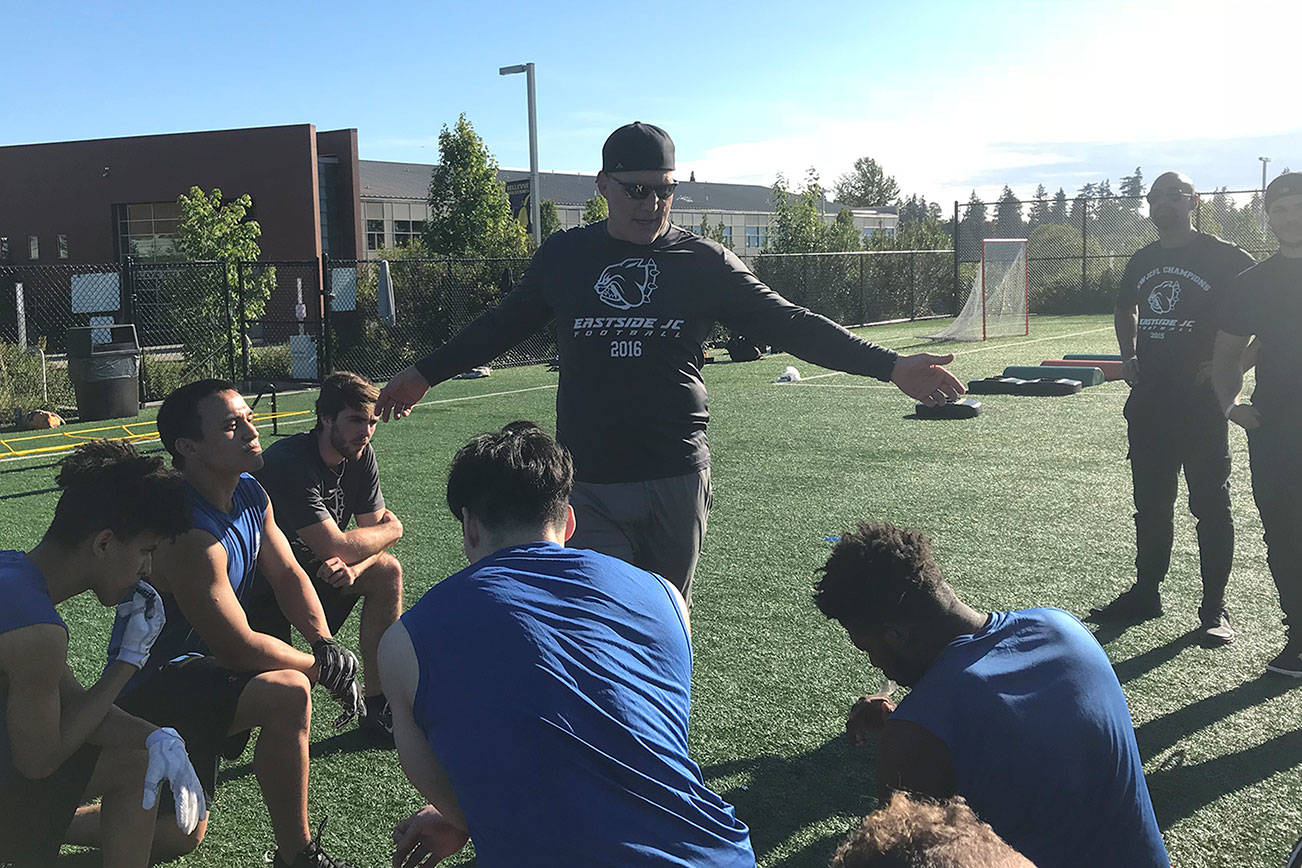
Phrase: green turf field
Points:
(1029, 504)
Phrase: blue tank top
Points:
(26, 602)
(554, 689)
(240, 534)
(1042, 742)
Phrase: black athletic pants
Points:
(1276, 457)
(1167, 436)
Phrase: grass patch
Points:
(1028, 504)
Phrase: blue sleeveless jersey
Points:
(554, 689)
(26, 602)
(1042, 742)
(240, 534)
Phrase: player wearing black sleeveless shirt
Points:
(633, 298)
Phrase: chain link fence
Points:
(283, 321)
(863, 286)
(432, 300)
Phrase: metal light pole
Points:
(535, 188)
(1264, 161)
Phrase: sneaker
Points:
(1136, 604)
(1214, 627)
(1289, 661)
(378, 724)
(311, 856)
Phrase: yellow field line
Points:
(83, 434)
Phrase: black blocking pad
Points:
(955, 408)
(994, 386)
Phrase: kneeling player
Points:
(318, 481)
(210, 675)
(61, 744)
(540, 696)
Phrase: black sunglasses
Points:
(641, 191)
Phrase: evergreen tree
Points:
(917, 207)
(1008, 215)
(1058, 210)
(470, 214)
(1132, 186)
(1039, 208)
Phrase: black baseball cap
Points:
(1285, 185)
(638, 147)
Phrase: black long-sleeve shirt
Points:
(630, 322)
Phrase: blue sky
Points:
(947, 96)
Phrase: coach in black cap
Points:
(633, 298)
(1267, 302)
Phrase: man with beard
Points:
(1019, 712)
(1267, 302)
(318, 481)
(1170, 293)
(633, 298)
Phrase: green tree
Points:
(972, 229)
(917, 208)
(797, 225)
(1039, 207)
(547, 214)
(1058, 210)
(595, 210)
(1008, 215)
(715, 232)
(215, 230)
(1132, 186)
(866, 186)
(843, 235)
(470, 214)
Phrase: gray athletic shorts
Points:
(657, 525)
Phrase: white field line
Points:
(285, 422)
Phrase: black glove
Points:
(338, 668)
(338, 665)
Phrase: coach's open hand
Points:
(425, 838)
(921, 376)
(400, 394)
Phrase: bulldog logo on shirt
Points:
(1165, 296)
(627, 284)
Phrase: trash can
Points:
(105, 374)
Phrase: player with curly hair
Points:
(1018, 712)
(61, 743)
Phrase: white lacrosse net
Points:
(996, 302)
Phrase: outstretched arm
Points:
(522, 312)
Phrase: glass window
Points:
(148, 230)
(33, 247)
(61, 241)
(4, 248)
(374, 234)
(727, 235)
(752, 236)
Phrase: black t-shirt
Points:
(1266, 301)
(1179, 292)
(304, 491)
(630, 321)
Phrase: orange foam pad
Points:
(1111, 370)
